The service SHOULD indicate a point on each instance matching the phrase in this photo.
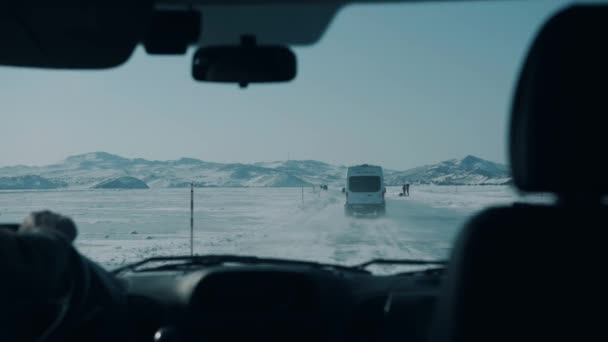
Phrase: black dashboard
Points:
(265, 302)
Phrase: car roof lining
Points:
(73, 37)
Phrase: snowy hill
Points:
(91, 169)
(469, 170)
(96, 169)
(122, 183)
(29, 182)
(312, 171)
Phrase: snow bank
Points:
(467, 197)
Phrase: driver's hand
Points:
(48, 221)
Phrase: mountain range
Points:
(469, 170)
(105, 170)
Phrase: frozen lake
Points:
(118, 226)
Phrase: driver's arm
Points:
(40, 267)
(34, 269)
(33, 265)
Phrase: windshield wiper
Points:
(181, 262)
(187, 262)
(392, 262)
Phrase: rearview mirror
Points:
(244, 64)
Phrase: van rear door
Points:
(365, 190)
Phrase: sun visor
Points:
(85, 34)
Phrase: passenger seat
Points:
(536, 272)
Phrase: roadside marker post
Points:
(192, 219)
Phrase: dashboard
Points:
(279, 302)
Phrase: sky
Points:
(395, 85)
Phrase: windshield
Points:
(421, 90)
(364, 184)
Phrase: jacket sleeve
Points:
(33, 266)
(41, 267)
(34, 271)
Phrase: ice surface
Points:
(271, 222)
(467, 197)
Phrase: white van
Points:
(365, 190)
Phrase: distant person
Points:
(407, 189)
(403, 190)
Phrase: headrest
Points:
(522, 274)
(559, 135)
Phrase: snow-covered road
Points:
(118, 226)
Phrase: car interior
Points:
(497, 285)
